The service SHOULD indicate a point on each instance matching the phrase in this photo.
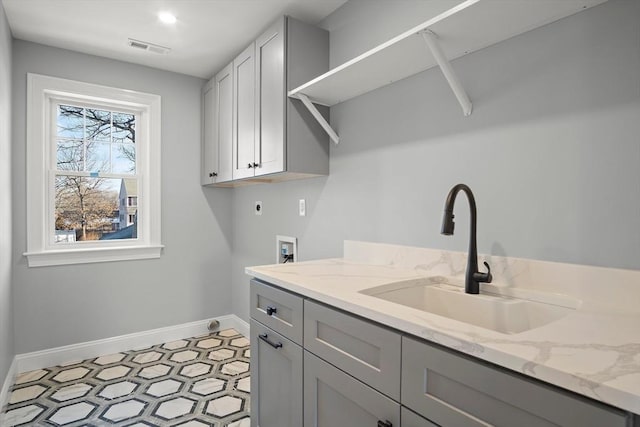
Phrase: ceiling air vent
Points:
(150, 47)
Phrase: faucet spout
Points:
(473, 277)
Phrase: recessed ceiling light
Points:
(167, 17)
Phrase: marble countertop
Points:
(594, 351)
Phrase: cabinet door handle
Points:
(265, 338)
(250, 165)
(212, 174)
(271, 310)
(255, 165)
(384, 424)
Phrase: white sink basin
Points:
(500, 313)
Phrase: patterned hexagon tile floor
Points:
(193, 382)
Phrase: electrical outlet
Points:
(258, 208)
(302, 207)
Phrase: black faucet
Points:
(473, 277)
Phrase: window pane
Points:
(69, 155)
(87, 209)
(70, 122)
(98, 124)
(124, 158)
(99, 129)
(124, 128)
(98, 157)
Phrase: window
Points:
(95, 162)
(93, 173)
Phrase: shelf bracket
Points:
(430, 39)
(316, 114)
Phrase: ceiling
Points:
(206, 36)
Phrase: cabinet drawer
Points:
(333, 398)
(278, 309)
(362, 349)
(276, 379)
(453, 390)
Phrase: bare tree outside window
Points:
(95, 152)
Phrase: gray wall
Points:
(551, 152)
(6, 308)
(56, 306)
(360, 25)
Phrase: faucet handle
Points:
(489, 276)
(484, 277)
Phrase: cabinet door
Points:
(270, 93)
(333, 398)
(244, 113)
(276, 379)
(209, 170)
(224, 123)
(411, 419)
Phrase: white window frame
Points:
(44, 92)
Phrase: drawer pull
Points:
(271, 310)
(384, 424)
(264, 338)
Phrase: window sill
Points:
(85, 256)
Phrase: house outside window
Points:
(93, 173)
(128, 211)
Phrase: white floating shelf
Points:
(466, 27)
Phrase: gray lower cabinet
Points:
(333, 398)
(411, 419)
(350, 372)
(454, 390)
(276, 379)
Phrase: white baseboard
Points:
(88, 350)
(4, 392)
(239, 325)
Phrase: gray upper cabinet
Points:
(217, 108)
(209, 167)
(244, 113)
(224, 122)
(306, 143)
(270, 87)
(275, 138)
